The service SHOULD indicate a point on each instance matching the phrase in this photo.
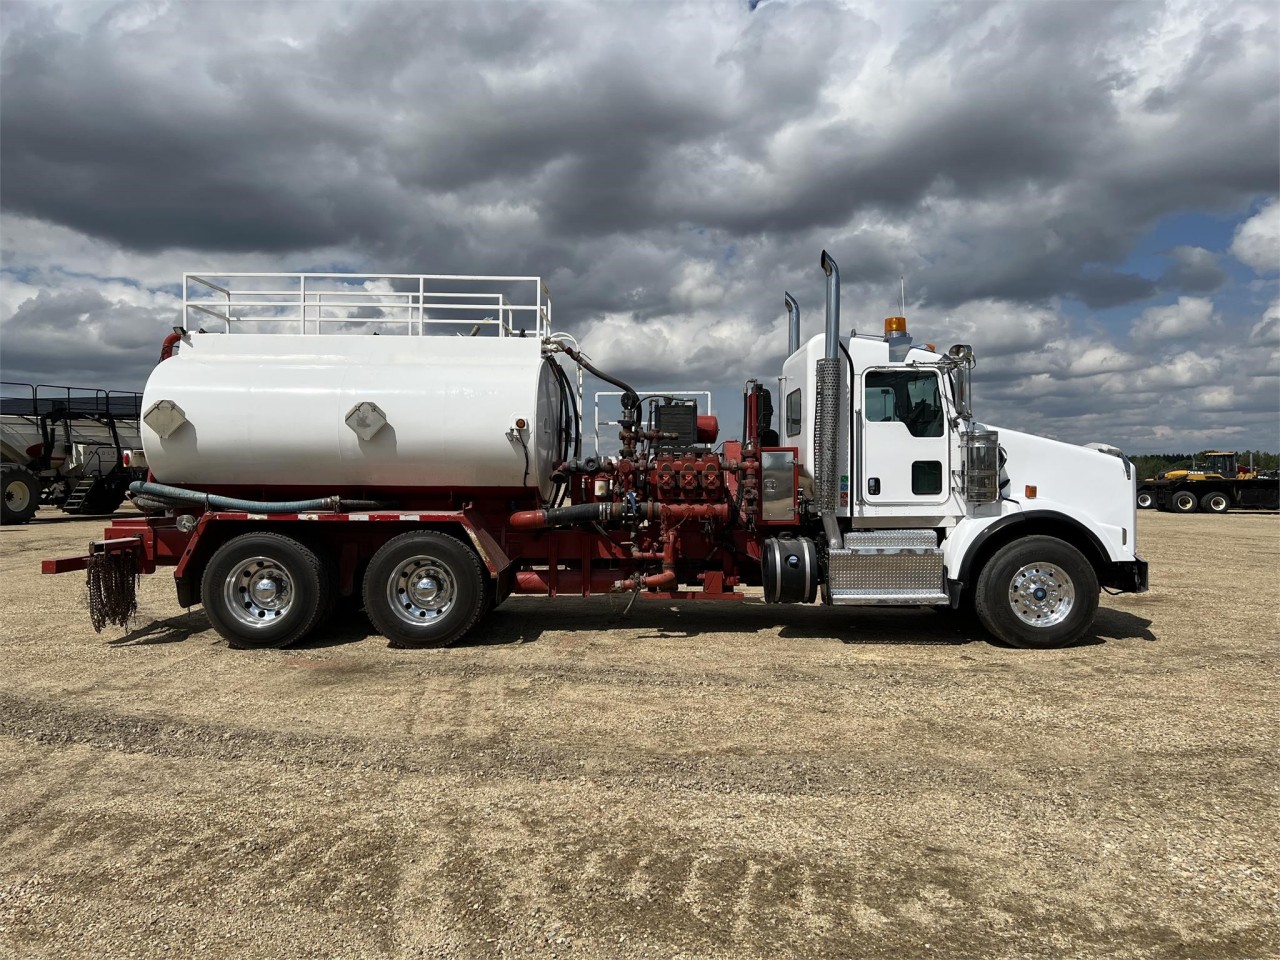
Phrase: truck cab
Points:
(933, 506)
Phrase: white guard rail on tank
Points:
(386, 303)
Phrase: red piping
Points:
(171, 341)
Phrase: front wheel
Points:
(263, 590)
(1215, 502)
(424, 589)
(1184, 501)
(1039, 592)
(1146, 500)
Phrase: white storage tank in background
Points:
(286, 410)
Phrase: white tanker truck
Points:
(416, 442)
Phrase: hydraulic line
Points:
(576, 418)
(571, 425)
(161, 494)
(629, 394)
(643, 511)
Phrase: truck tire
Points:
(1146, 500)
(1184, 501)
(21, 494)
(1039, 592)
(1215, 502)
(263, 590)
(424, 589)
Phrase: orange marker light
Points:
(521, 423)
(1031, 491)
(895, 326)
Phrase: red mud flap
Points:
(120, 547)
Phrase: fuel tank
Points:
(354, 411)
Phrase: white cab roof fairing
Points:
(865, 350)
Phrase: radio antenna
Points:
(903, 278)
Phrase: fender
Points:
(1011, 519)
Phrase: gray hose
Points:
(159, 493)
(150, 504)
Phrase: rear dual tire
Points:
(1215, 502)
(263, 590)
(425, 589)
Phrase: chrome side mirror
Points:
(963, 354)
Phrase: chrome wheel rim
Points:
(1041, 594)
(17, 495)
(1144, 499)
(421, 589)
(1185, 501)
(258, 592)
(1218, 504)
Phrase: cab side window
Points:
(793, 413)
(910, 397)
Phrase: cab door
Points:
(904, 450)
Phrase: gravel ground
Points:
(706, 780)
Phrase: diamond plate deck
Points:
(887, 567)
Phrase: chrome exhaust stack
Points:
(832, 271)
(826, 428)
(793, 323)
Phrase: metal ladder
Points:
(80, 494)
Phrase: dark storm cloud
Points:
(80, 336)
(246, 127)
(237, 152)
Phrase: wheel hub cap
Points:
(421, 589)
(258, 592)
(1041, 594)
(423, 592)
(266, 591)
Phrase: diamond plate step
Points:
(887, 567)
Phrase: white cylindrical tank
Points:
(286, 410)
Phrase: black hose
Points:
(599, 513)
(159, 493)
(571, 425)
(630, 399)
(577, 414)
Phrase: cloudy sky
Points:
(1085, 191)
